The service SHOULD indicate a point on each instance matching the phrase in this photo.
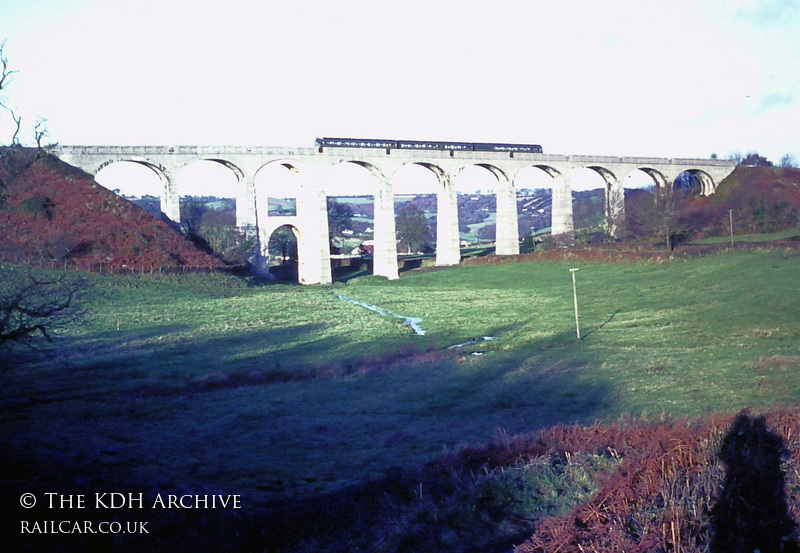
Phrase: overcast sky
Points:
(673, 78)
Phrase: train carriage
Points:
(388, 145)
(527, 148)
(355, 143)
(425, 145)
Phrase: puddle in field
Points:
(471, 342)
(412, 322)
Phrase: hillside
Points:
(53, 212)
(783, 179)
(762, 199)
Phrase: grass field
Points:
(793, 234)
(209, 382)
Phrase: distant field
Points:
(278, 391)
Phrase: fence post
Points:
(575, 298)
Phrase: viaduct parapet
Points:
(310, 221)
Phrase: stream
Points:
(412, 322)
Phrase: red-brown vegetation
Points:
(763, 199)
(723, 483)
(55, 212)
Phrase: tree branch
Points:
(31, 306)
(5, 72)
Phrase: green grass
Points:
(274, 391)
(793, 233)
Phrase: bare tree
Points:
(788, 161)
(231, 244)
(5, 78)
(32, 306)
(412, 227)
(659, 215)
(192, 211)
(340, 218)
(754, 159)
(13, 160)
(283, 240)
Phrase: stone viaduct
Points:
(310, 222)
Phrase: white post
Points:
(730, 214)
(575, 297)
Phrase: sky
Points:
(677, 78)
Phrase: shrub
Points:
(38, 206)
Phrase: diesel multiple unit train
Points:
(388, 145)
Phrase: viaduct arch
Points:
(310, 221)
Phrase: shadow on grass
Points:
(600, 327)
(410, 264)
(752, 513)
(160, 362)
(546, 381)
(125, 335)
(517, 393)
(451, 396)
(347, 276)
